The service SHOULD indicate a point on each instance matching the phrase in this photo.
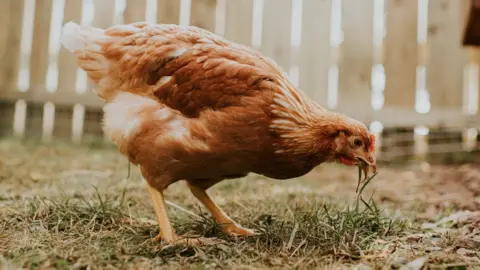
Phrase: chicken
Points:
(182, 103)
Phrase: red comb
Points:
(372, 143)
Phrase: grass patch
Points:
(52, 218)
(105, 231)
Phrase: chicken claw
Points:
(235, 230)
(226, 223)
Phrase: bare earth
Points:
(74, 207)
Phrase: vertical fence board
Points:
(103, 17)
(401, 54)
(239, 21)
(6, 108)
(67, 72)
(104, 12)
(135, 11)
(67, 64)
(356, 55)
(446, 58)
(12, 57)
(315, 49)
(11, 14)
(168, 11)
(40, 55)
(276, 31)
(5, 23)
(203, 14)
(39, 61)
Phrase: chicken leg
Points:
(227, 224)
(167, 232)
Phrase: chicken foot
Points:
(226, 223)
(167, 232)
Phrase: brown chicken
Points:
(185, 104)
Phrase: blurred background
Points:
(397, 65)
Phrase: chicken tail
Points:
(84, 42)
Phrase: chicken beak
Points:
(366, 168)
(370, 164)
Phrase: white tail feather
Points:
(82, 40)
(81, 37)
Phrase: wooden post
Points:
(40, 54)
(355, 69)
(103, 17)
(202, 14)
(67, 72)
(168, 11)
(67, 64)
(445, 67)
(135, 11)
(315, 49)
(401, 60)
(446, 56)
(39, 61)
(239, 21)
(11, 15)
(277, 24)
(401, 54)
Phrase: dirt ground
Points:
(75, 207)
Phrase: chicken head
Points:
(355, 144)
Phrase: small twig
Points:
(292, 236)
(298, 247)
(183, 209)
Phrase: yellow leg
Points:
(227, 224)
(167, 233)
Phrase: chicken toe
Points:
(226, 223)
(234, 229)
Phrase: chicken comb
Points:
(371, 147)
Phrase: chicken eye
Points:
(358, 142)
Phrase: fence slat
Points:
(446, 58)
(168, 11)
(40, 55)
(315, 49)
(239, 21)
(276, 31)
(67, 64)
(401, 54)
(4, 34)
(11, 14)
(202, 14)
(356, 62)
(103, 17)
(104, 13)
(135, 11)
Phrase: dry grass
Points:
(64, 207)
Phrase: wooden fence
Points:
(397, 65)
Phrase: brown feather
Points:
(183, 103)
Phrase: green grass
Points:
(309, 234)
(73, 207)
